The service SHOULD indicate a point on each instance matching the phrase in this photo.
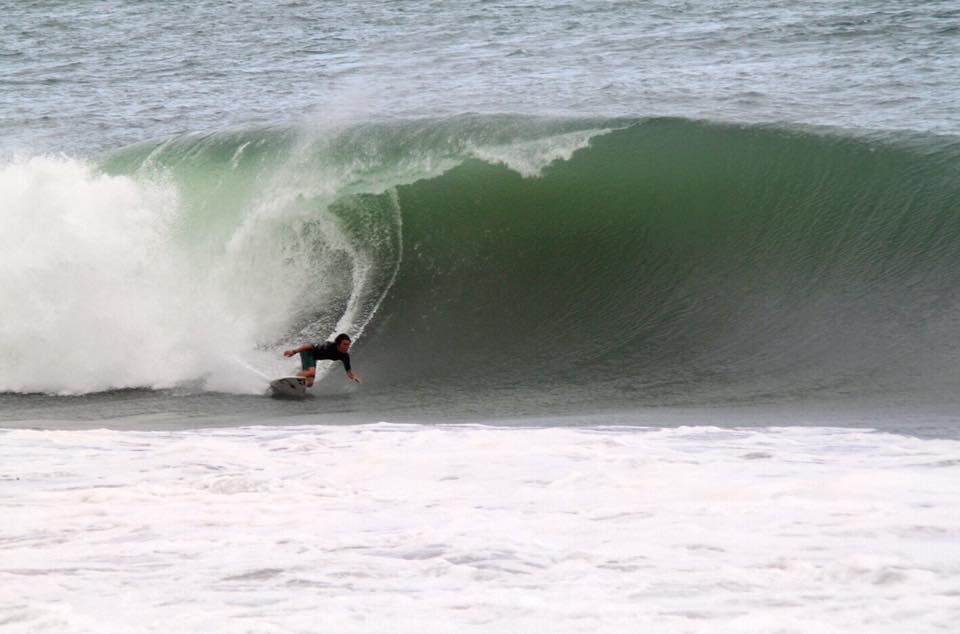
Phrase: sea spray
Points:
(94, 292)
(103, 289)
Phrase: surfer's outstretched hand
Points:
(288, 353)
(354, 377)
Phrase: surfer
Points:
(335, 350)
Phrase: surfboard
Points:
(288, 387)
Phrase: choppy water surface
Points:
(79, 77)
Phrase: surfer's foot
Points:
(308, 375)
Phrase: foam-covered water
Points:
(407, 528)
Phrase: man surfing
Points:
(335, 350)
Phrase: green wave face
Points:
(677, 260)
(588, 261)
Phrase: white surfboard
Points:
(289, 387)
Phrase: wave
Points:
(595, 260)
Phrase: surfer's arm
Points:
(303, 348)
(346, 366)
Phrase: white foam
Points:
(528, 158)
(97, 292)
(404, 528)
(102, 289)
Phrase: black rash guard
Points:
(328, 350)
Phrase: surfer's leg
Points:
(309, 365)
(309, 374)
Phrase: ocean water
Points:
(656, 307)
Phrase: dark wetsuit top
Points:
(325, 350)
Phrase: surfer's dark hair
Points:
(341, 337)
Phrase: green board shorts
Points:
(307, 360)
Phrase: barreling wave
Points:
(618, 261)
